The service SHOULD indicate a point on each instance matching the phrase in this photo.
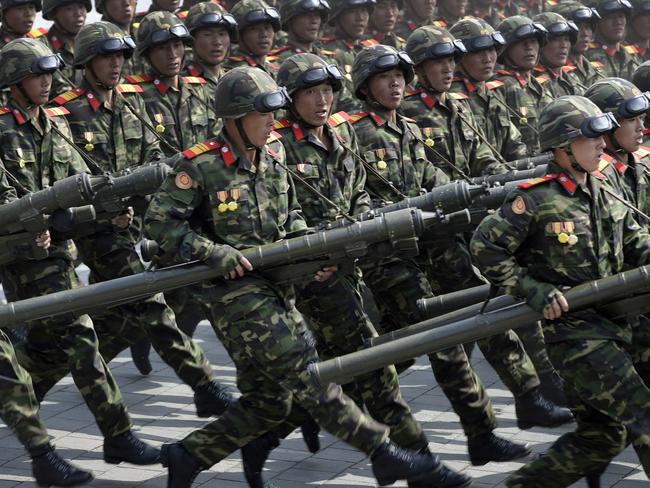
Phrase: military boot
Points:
(212, 399)
(49, 469)
(593, 479)
(533, 409)
(441, 477)
(128, 448)
(552, 387)
(182, 467)
(391, 463)
(254, 455)
(489, 447)
(140, 354)
(310, 430)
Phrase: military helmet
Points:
(577, 12)
(569, 117)
(23, 57)
(606, 7)
(378, 59)
(477, 35)
(431, 42)
(17, 3)
(305, 70)
(100, 38)
(557, 25)
(50, 6)
(620, 97)
(338, 6)
(289, 9)
(641, 76)
(253, 12)
(517, 28)
(99, 6)
(246, 89)
(208, 14)
(158, 28)
(640, 6)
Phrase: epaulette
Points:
(135, 25)
(38, 32)
(597, 64)
(327, 52)
(504, 72)
(201, 148)
(354, 118)
(139, 15)
(369, 42)
(56, 111)
(281, 124)
(542, 79)
(539, 69)
(327, 38)
(274, 136)
(272, 57)
(605, 160)
(279, 50)
(593, 45)
(442, 23)
(642, 152)
(65, 97)
(457, 96)
(129, 88)
(193, 80)
(568, 69)
(338, 118)
(182, 14)
(408, 119)
(494, 84)
(142, 78)
(410, 93)
(631, 49)
(5, 110)
(537, 181)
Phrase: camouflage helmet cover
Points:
(640, 6)
(160, 22)
(641, 76)
(290, 9)
(253, 12)
(557, 25)
(292, 71)
(50, 6)
(609, 93)
(20, 58)
(606, 7)
(365, 65)
(476, 34)
(209, 14)
(17, 3)
(562, 117)
(577, 12)
(88, 42)
(338, 6)
(421, 44)
(517, 28)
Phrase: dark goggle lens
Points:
(272, 101)
(585, 14)
(528, 30)
(357, 3)
(614, 5)
(178, 31)
(485, 42)
(446, 49)
(599, 125)
(316, 76)
(257, 16)
(390, 61)
(116, 44)
(633, 107)
(47, 64)
(217, 19)
(560, 28)
(309, 5)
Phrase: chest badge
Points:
(381, 164)
(564, 232)
(88, 136)
(183, 181)
(21, 161)
(518, 206)
(524, 115)
(160, 128)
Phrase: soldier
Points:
(587, 72)
(158, 6)
(451, 11)
(390, 143)
(638, 31)
(18, 18)
(553, 71)
(524, 94)
(121, 13)
(35, 154)
(383, 20)
(253, 316)
(618, 59)
(641, 79)
(557, 232)
(302, 20)
(418, 13)
(493, 12)
(257, 23)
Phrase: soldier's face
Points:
(630, 135)
(388, 88)
(479, 66)
(305, 27)
(120, 11)
(588, 152)
(439, 73)
(422, 9)
(585, 36)
(453, 8)
(612, 27)
(166, 59)
(314, 104)
(385, 16)
(556, 51)
(168, 5)
(19, 19)
(524, 54)
(71, 18)
(641, 25)
(353, 22)
(37, 88)
(211, 45)
(107, 68)
(257, 39)
(258, 127)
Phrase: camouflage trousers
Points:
(65, 342)
(606, 396)
(18, 405)
(396, 286)
(263, 333)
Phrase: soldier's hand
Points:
(228, 260)
(44, 240)
(556, 308)
(243, 266)
(124, 220)
(325, 274)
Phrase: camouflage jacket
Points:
(619, 62)
(214, 195)
(239, 58)
(59, 46)
(7, 192)
(395, 151)
(387, 39)
(182, 116)
(486, 104)
(335, 173)
(287, 50)
(630, 175)
(587, 72)
(642, 51)
(446, 131)
(552, 233)
(405, 26)
(559, 82)
(114, 137)
(526, 98)
(196, 69)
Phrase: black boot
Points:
(310, 430)
(593, 479)
(391, 463)
(128, 448)
(441, 477)
(254, 455)
(533, 409)
(552, 387)
(182, 467)
(140, 354)
(49, 469)
(489, 447)
(212, 399)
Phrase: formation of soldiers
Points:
(279, 119)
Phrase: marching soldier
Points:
(383, 20)
(158, 6)
(451, 11)
(253, 316)
(493, 12)
(418, 13)
(302, 20)
(36, 155)
(641, 79)
(121, 13)
(638, 31)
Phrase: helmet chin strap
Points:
(244, 137)
(572, 160)
(28, 99)
(90, 68)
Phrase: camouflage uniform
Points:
(405, 26)
(552, 233)
(289, 10)
(634, 38)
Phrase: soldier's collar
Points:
(21, 116)
(163, 87)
